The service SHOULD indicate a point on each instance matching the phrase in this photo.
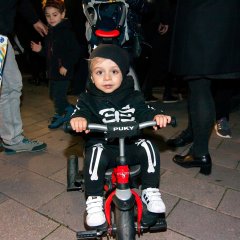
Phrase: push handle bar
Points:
(91, 14)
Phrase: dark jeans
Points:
(58, 93)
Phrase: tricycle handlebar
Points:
(123, 127)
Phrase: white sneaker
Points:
(95, 215)
(152, 198)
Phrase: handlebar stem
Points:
(121, 147)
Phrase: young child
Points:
(62, 51)
(111, 97)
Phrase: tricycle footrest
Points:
(160, 226)
(92, 234)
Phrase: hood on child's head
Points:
(114, 53)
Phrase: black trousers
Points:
(58, 93)
(100, 157)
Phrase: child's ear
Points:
(92, 79)
(63, 14)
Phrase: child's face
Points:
(106, 75)
(53, 16)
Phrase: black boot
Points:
(190, 161)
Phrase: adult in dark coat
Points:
(205, 46)
(206, 37)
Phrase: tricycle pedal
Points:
(153, 222)
(160, 226)
(91, 234)
(75, 188)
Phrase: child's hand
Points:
(63, 71)
(79, 124)
(161, 120)
(36, 47)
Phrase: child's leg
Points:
(63, 110)
(97, 159)
(59, 92)
(96, 162)
(147, 154)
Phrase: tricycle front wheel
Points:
(125, 225)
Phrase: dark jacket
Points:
(8, 10)
(60, 48)
(206, 37)
(124, 104)
(134, 15)
(159, 11)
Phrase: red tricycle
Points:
(125, 213)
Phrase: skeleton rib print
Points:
(111, 115)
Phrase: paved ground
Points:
(34, 203)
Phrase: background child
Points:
(62, 52)
(110, 97)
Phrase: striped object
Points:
(3, 51)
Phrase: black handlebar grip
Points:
(67, 128)
(173, 122)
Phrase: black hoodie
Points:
(60, 49)
(122, 105)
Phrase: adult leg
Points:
(168, 89)
(202, 113)
(185, 137)
(223, 93)
(10, 117)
